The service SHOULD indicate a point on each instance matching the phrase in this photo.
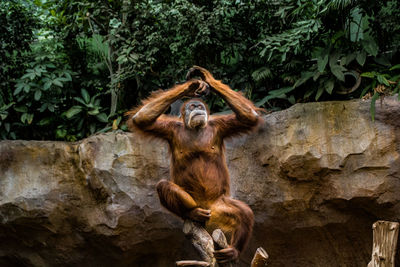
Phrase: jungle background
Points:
(69, 69)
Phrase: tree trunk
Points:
(201, 240)
(192, 263)
(384, 244)
(204, 244)
(260, 258)
(220, 243)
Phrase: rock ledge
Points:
(317, 176)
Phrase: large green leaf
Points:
(45, 121)
(51, 107)
(329, 86)
(108, 128)
(27, 118)
(21, 109)
(57, 82)
(85, 96)
(38, 94)
(305, 76)
(334, 58)
(30, 75)
(80, 100)
(319, 93)
(3, 115)
(361, 57)
(47, 85)
(356, 32)
(348, 59)
(68, 76)
(281, 91)
(5, 107)
(27, 88)
(73, 111)
(24, 117)
(381, 79)
(61, 133)
(368, 74)
(19, 88)
(94, 111)
(322, 61)
(372, 108)
(370, 46)
(30, 118)
(395, 67)
(337, 70)
(102, 117)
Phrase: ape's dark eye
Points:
(192, 106)
(200, 107)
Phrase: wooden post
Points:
(384, 244)
(192, 263)
(220, 242)
(203, 243)
(260, 258)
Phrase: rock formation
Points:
(317, 176)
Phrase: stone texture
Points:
(317, 176)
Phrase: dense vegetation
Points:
(71, 68)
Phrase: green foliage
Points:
(41, 93)
(324, 46)
(75, 70)
(86, 116)
(16, 33)
(42, 98)
(383, 83)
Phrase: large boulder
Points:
(316, 175)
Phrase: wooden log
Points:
(193, 263)
(260, 258)
(220, 243)
(219, 239)
(385, 236)
(201, 240)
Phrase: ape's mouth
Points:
(197, 113)
(197, 118)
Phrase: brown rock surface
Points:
(316, 175)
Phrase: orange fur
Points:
(200, 177)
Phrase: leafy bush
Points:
(325, 46)
(76, 71)
(16, 33)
